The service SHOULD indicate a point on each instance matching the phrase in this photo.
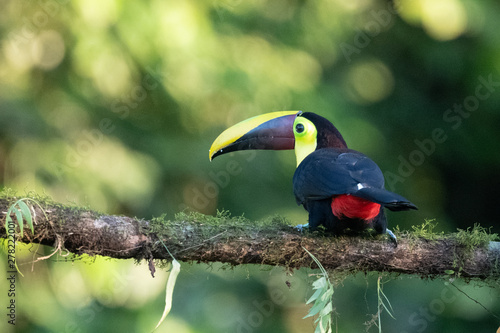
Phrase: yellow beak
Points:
(267, 131)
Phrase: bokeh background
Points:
(113, 105)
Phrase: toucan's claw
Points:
(392, 237)
(301, 227)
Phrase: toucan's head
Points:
(303, 131)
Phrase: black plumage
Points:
(328, 172)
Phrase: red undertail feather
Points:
(353, 207)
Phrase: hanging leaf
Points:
(172, 277)
(316, 294)
(322, 299)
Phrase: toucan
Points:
(342, 189)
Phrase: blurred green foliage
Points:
(114, 105)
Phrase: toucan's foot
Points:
(301, 227)
(392, 237)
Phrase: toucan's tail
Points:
(385, 198)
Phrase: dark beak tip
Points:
(216, 154)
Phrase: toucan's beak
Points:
(272, 131)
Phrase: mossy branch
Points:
(200, 238)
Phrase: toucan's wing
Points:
(329, 171)
(389, 199)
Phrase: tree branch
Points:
(200, 238)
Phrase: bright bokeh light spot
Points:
(142, 293)
(106, 280)
(410, 11)
(369, 82)
(98, 14)
(48, 49)
(354, 5)
(444, 19)
(180, 24)
(17, 51)
(111, 74)
(69, 286)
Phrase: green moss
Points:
(7, 193)
(467, 241)
(426, 230)
(475, 237)
(201, 228)
(63, 211)
(11, 196)
(222, 219)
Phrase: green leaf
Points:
(385, 307)
(23, 213)
(327, 309)
(316, 308)
(19, 218)
(320, 283)
(316, 294)
(324, 325)
(327, 295)
(449, 271)
(8, 219)
(388, 311)
(26, 213)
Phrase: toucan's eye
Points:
(299, 128)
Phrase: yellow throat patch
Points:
(305, 138)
